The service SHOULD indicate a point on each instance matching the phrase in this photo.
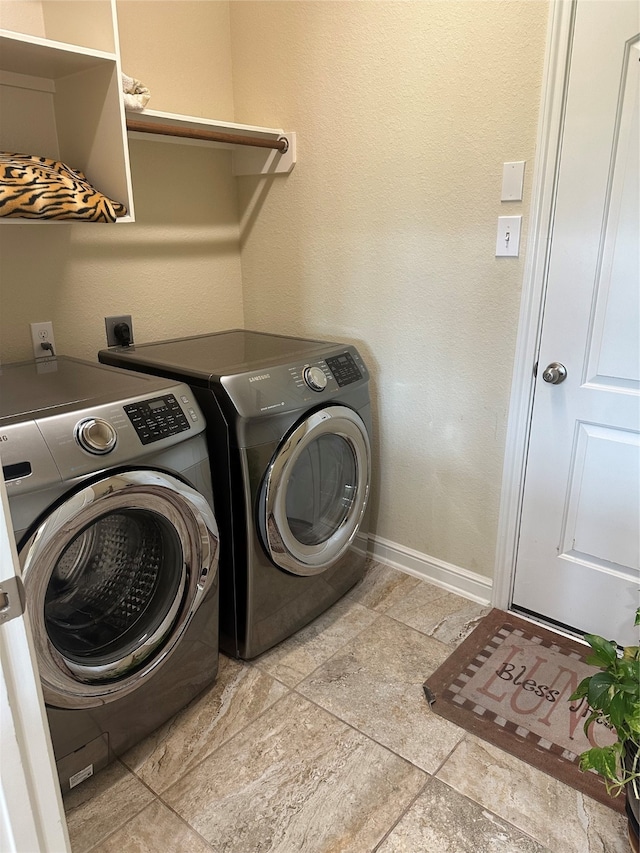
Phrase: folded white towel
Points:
(136, 96)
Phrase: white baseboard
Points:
(445, 575)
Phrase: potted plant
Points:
(613, 695)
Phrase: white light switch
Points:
(508, 240)
(512, 181)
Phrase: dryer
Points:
(289, 424)
(109, 486)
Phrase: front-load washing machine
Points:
(109, 488)
(289, 423)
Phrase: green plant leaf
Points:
(633, 719)
(595, 715)
(605, 652)
(598, 694)
(629, 671)
(581, 690)
(620, 709)
(602, 759)
(631, 653)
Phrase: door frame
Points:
(33, 816)
(543, 200)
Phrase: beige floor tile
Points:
(240, 694)
(438, 613)
(381, 587)
(297, 779)
(297, 657)
(255, 767)
(155, 830)
(375, 684)
(558, 817)
(443, 821)
(103, 803)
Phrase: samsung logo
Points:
(260, 377)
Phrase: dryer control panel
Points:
(344, 369)
(295, 386)
(158, 418)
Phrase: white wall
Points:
(384, 234)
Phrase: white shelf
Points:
(64, 101)
(61, 97)
(38, 57)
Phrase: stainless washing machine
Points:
(109, 487)
(289, 424)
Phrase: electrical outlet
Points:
(42, 333)
(115, 328)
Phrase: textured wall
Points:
(181, 50)
(384, 233)
(177, 269)
(23, 15)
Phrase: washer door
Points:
(113, 577)
(315, 491)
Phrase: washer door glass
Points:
(315, 491)
(321, 489)
(118, 582)
(113, 577)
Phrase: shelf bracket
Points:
(260, 161)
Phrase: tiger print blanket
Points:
(39, 188)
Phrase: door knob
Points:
(555, 373)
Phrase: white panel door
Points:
(578, 558)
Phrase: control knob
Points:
(315, 378)
(96, 435)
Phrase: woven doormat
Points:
(509, 683)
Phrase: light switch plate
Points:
(512, 181)
(508, 240)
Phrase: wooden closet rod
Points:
(207, 135)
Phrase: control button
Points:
(344, 369)
(184, 399)
(158, 418)
(96, 436)
(315, 378)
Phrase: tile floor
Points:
(327, 744)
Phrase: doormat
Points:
(509, 683)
